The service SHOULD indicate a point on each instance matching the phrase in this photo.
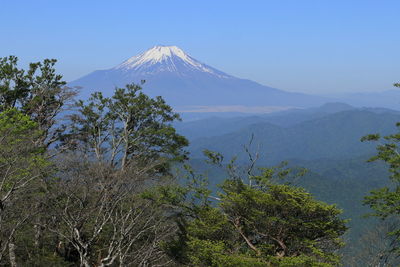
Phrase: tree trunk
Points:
(38, 234)
(236, 223)
(11, 253)
(84, 261)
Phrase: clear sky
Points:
(320, 46)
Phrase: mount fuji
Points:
(188, 84)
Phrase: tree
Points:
(256, 221)
(22, 165)
(385, 201)
(38, 92)
(121, 148)
(100, 213)
(129, 127)
(375, 246)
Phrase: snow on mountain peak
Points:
(157, 54)
(168, 58)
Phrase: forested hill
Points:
(316, 135)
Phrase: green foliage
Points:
(128, 126)
(342, 182)
(25, 89)
(213, 253)
(213, 157)
(385, 201)
(257, 222)
(12, 83)
(15, 126)
(17, 147)
(298, 261)
(38, 92)
(22, 167)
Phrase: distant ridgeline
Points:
(332, 131)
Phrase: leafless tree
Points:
(100, 211)
(375, 247)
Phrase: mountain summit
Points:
(190, 85)
(166, 58)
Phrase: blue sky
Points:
(320, 46)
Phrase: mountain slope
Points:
(334, 136)
(186, 82)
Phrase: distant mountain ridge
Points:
(301, 135)
(388, 99)
(186, 82)
(217, 125)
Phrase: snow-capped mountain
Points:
(188, 84)
(166, 59)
